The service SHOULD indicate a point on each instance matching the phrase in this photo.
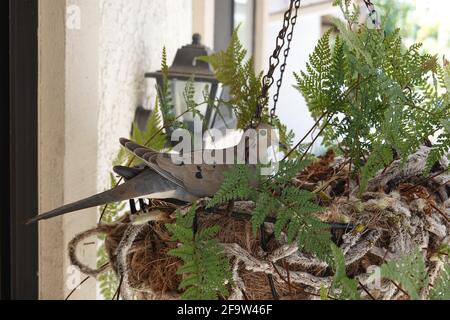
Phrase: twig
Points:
(305, 137)
(349, 180)
(117, 294)
(288, 276)
(400, 288)
(315, 139)
(269, 276)
(295, 286)
(439, 211)
(367, 291)
(427, 179)
(82, 282)
(77, 287)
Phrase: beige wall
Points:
(51, 144)
(132, 35)
(203, 20)
(81, 134)
(91, 79)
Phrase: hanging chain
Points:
(373, 15)
(290, 36)
(290, 18)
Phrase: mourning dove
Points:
(163, 178)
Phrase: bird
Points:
(162, 178)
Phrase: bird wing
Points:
(139, 151)
(202, 180)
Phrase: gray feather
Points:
(148, 183)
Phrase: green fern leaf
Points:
(236, 186)
(348, 287)
(205, 270)
(441, 288)
(409, 272)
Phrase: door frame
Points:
(19, 249)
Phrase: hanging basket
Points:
(399, 214)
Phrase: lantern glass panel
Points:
(224, 118)
(178, 88)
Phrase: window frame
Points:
(19, 248)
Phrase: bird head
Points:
(257, 141)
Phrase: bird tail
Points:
(129, 190)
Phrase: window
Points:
(244, 17)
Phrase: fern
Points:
(347, 288)
(294, 209)
(442, 147)
(166, 105)
(236, 186)
(379, 97)
(206, 269)
(264, 207)
(441, 288)
(153, 136)
(409, 272)
(237, 73)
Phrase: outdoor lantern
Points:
(187, 67)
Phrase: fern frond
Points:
(348, 287)
(409, 272)
(166, 104)
(315, 84)
(264, 207)
(235, 72)
(296, 214)
(442, 146)
(152, 137)
(441, 287)
(205, 267)
(236, 186)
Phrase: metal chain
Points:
(373, 15)
(290, 16)
(290, 20)
(290, 36)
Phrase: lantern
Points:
(187, 67)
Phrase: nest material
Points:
(403, 212)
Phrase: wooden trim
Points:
(5, 268)
(305, 9)
(223, 23)
(23, 149)
(260, 33)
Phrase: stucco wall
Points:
(132, 35)
(91, 81)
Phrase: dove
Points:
(162, 178)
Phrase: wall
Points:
(81, 133)
(91, 79)
(132, 36)
(51, 128)
(203, 20)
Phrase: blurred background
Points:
(92, 82)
